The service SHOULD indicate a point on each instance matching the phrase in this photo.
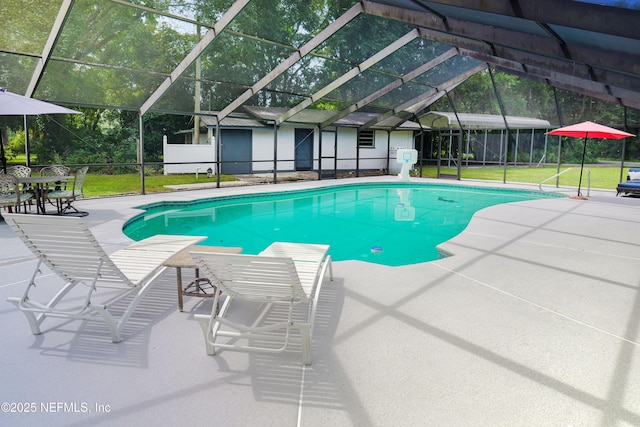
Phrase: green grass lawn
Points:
(603, 177)
(96, 185)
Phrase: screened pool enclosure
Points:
(337, 67)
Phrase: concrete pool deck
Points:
(534, 321)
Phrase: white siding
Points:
(188, 153)
(262, 144)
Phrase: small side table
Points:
(200, 286)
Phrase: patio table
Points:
(200, 286)
(39, 190)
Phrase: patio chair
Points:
(55, 170)
(19, 171)
(10, 195)
(285, 273)
(22, 171)
(69, 249)
(64, 198)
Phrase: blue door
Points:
(235, 151)
(304, 149)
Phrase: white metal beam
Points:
(355, 71)
(391, 86)
(58, 24)
(197, 50)
(292, 59)
(428, 97)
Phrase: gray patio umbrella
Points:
(12, 104)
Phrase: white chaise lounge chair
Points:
(68, 248)
(284, 273)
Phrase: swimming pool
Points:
(392, 224)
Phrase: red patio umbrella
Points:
(589, 130)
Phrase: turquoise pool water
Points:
(391, 224)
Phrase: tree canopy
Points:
(126, 41)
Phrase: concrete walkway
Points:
(533, 322)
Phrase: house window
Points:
(366, 139)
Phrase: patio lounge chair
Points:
(67, 247)
(284, 273)
(632, 185)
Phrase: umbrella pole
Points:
(2, 155)
(584, 151)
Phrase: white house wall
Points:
(328, 148)
(347, 143)
(263, 149)
(374, 158)
(179, 153)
